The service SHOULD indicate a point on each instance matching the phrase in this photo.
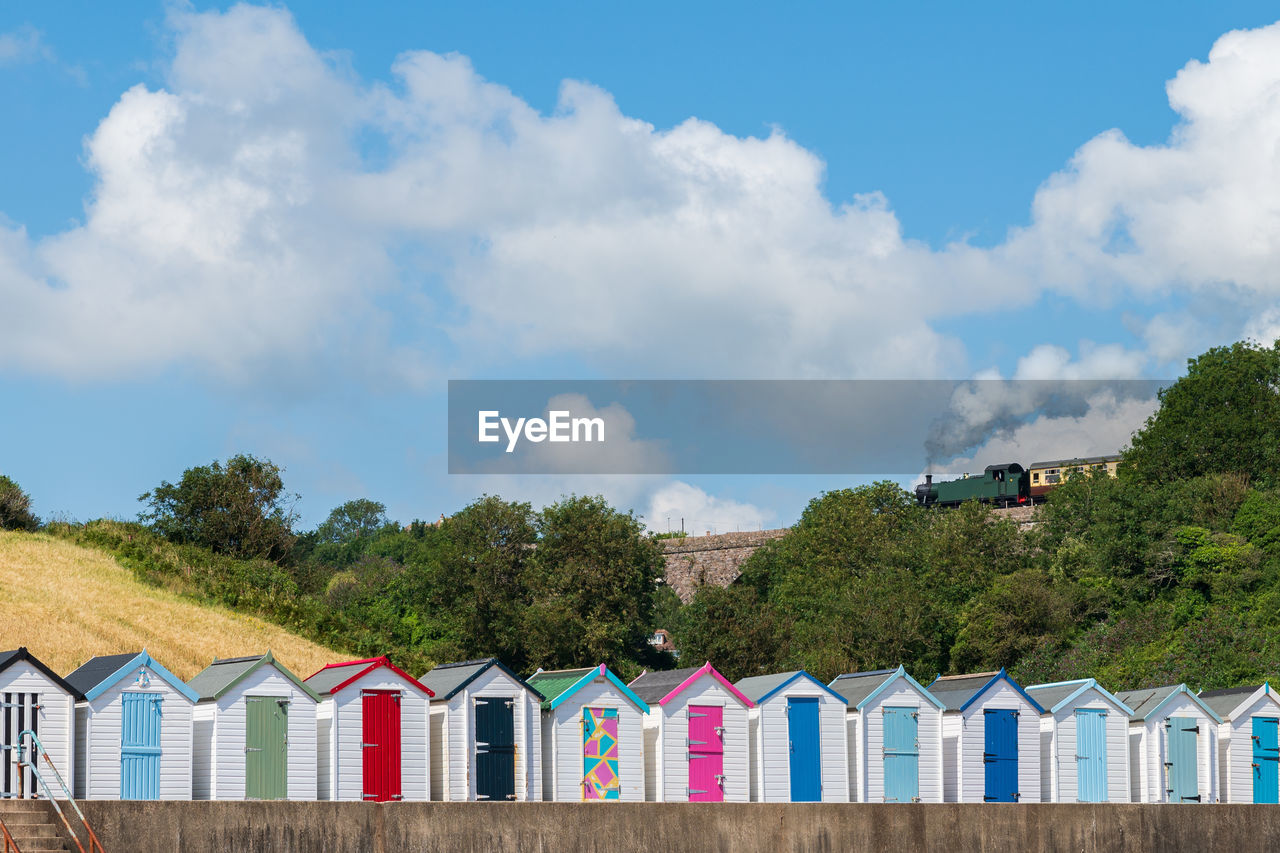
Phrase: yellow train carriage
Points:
(1046, 475)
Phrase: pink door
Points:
(706, 754)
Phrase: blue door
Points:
(806, 752)
(901, 755)
(140, 746)
(1000, 755)
(1091, 755)
(1182, 766)
(1266, 760)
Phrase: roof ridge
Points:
(866, 673)
(465, 663)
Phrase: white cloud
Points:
(679, 502)
(23, 45)
(237, 227)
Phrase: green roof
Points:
(221, 675)
(551, 684)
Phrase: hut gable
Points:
(592, 736)
(348, 768)
(36, 699)
(873, 698)
(797, 732)
(1248, 740)
(284, 724)
(710, 763)
(1173, 745)
(988, 714)
(487, 694)
(1084, 751)
(160, 708)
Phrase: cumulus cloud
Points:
(266, 214)
(678, 502)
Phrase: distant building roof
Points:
(447, 679)
(220, 676)
(9, 658)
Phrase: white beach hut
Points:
(1084, 743)
(798, 746)
(133, 730)
(894, 730)
(1173, 746)
(255, 732)
(1248, 743)
(485, 733)
(592, 736)
(34, 698)
(696, 736)
(371, 732)
(990, 739)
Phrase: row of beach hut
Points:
(124, 727)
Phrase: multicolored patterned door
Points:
(600, 754)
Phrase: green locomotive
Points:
(1003, 485)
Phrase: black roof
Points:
(448, 678)
(21, 654)
(95, 670)
(856, 686)
(652, 686)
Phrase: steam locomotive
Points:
(1009, 484)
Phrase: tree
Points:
(358, 519)
(15, 507)
(1223, 416)
(239, 509)
(591, 584)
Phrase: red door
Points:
(381, 744)
(706, 754)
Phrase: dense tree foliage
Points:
(1168, 573)
(239, 509)
(15, 507)
(1223, 416)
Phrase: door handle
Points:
(367, 745)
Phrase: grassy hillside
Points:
(67, 603)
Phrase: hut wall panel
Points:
(176, 741)
(565, 758)
(415, 755)
(56, 722)
(901, 694)
(202, 751)
(675, 756)
(324, 750)
(228, 771)
(972, 779)
(439, 716)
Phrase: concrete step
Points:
(39, 845)
(16, 805)
(33, 830)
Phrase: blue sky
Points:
(280, 230)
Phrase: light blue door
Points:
(1091, 755)
(1000, 755)
(140, 746)
(806, 751)
(1266, 759)
(1182, 766)
(901, 755)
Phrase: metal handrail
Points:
(27, 738)
(9, 843)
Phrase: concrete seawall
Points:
(656, 827)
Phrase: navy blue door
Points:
(806, 753)
(495, 749)
(1000, 755)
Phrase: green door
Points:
(266, 756)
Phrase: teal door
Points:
(806, 749)
(1266, 760)
(901, 755)
(1091, 755)
(140, 746)
(1182, 765)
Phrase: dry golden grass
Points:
(67, 603)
